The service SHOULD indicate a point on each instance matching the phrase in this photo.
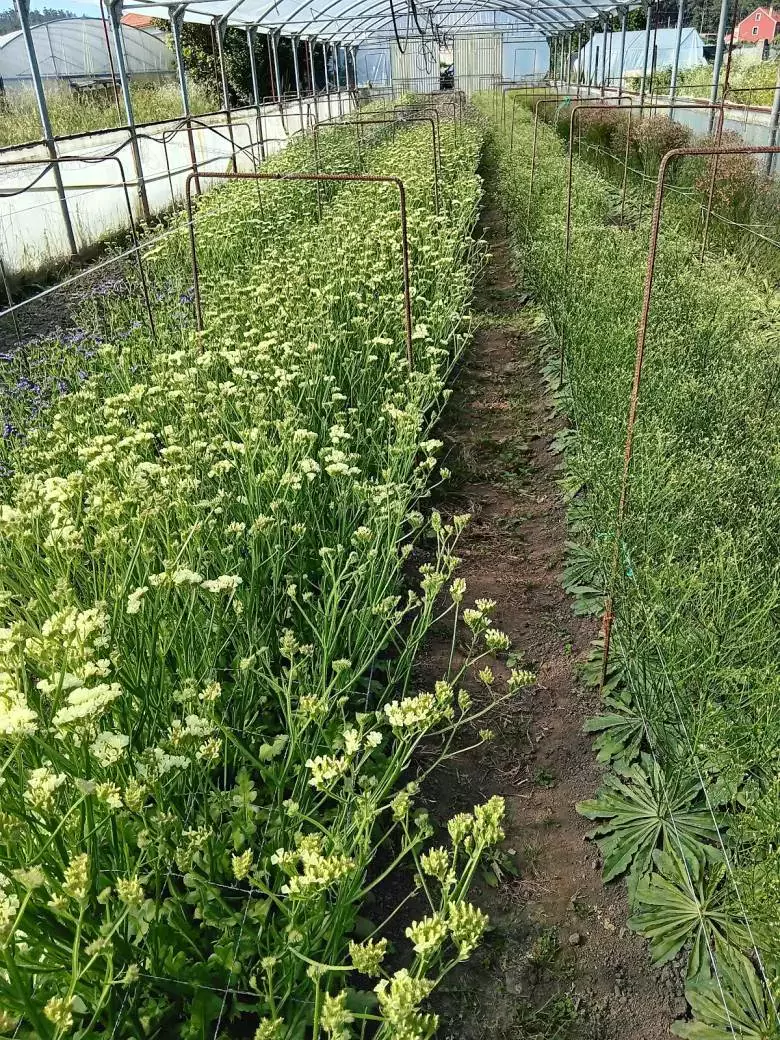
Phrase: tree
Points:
(200, 59)
(9, 20)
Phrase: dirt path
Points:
(560, 962)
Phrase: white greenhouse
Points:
(76, 49)
(664, 41)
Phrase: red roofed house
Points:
(761, 24)
(138, 21)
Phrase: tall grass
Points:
(691, 721)
(75, 114)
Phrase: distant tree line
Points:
(9, 20)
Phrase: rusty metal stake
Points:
(356, 178)
(394, 122)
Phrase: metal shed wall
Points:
(478, 61)
(417, 69)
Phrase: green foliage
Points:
(645, 810)
(691, 718)
(679, 904)
(620, 730)
(736, 1002)
(208, 720)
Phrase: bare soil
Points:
(559, 962)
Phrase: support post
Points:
(648, 31)
(327, 79)
(774, 123)
(579, 59)
(338, 78)
(294, 40)
(608, 45)
(271, 65)
(676, 59)
(604, 58)
(590, 58)
(623, 27)
(115, 14)
(568, 61)
(220, 28)
(274, 38)
(23, 10)
(177, 20)
(251, 39)
(310, 53)
(719, 48)
(354, 51)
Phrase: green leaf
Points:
(681, 904)
(646, 810)
(735, 1003)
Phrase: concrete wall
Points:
(32, 229)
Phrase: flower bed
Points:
(208, 706)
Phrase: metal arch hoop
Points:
(364, 178)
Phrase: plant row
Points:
(690, 729)
(628, 147)
(211, 620)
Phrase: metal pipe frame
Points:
(327, 80)
(274, 44)
(641, 344)
(676, 60)
(177, 21)
(294, 41)
(435, 143)
(623, 27)
(363, 178)
(774, 124)
(115, 15)
(335, 47)
(23, 10)
(719, 46)
(251, 39)
(91, 160)
(648, 30)
(312, 77)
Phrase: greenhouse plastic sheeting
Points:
(691, 52)
(74, 48)
(525, 59)
(372, 67)
(360, 22)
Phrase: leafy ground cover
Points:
(690, 729)
(210, 626)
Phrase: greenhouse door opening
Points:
(477, 61)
